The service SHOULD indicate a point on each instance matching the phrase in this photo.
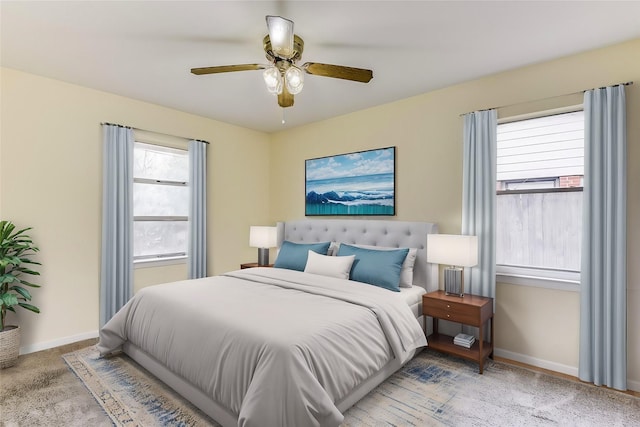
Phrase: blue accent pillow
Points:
(293, 256)
(378, 268)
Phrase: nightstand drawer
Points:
(447, 310)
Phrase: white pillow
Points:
(332, 266)
(406, 274)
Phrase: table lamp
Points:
(457, 252)
(263, 238)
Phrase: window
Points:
(160, 202)
(540, 170)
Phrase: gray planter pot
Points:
(9, 346)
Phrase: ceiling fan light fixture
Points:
(273, 80)
(283, 49)
(294, 79)
(281, 35)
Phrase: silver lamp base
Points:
(263, 256)
(454, 281)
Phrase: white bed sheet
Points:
(412, 295)
(413, 298)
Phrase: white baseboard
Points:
(538, 363)
(552, 366)
(32, 348)
(633, 385)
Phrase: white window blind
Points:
(160, 202)
(543, 147)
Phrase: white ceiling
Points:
(145, 49)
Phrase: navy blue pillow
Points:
(293, 256)
(378, 268)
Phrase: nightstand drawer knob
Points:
(448, 306)
(448, 315)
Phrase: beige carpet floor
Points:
(40, 390)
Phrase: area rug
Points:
(129, 394)
(431, 390)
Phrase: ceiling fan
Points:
(282, 75)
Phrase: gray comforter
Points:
(276, 347)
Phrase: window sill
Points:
(150, 263)
(539, 282)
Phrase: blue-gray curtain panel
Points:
(603, 281)
(116, 285)
(479, 198)
(197, 250)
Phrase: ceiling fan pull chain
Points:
(283, 116)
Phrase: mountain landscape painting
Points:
(361, 183)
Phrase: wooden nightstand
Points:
(470, 310)
(253, 264)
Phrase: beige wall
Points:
(51, 180)
(531, 323)
(148, 276)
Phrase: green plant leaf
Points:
(6, 227)
(22, 291)
(24, 282)
(17, 233)
(10, 260)
(9, 299)
(8, 278)
(29, 307)
(26, 271)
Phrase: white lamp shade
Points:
(263, 237)
(452, 249)
(294, 79)
(273, 80)
(281, 36)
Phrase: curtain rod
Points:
(550, 97)
(159, 133)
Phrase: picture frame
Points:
(361, 183)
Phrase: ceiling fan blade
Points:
(338, 72)
(285, 99)
(227, 69)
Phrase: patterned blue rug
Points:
(431, 390)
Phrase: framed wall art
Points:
(360, 183)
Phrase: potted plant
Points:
(16, 249)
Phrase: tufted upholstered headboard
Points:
(395, 234)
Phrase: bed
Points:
(279, 347)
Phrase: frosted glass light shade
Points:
(294, 79)
(452, 249)
(273, 80)
(263, 237)
(281, 36)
